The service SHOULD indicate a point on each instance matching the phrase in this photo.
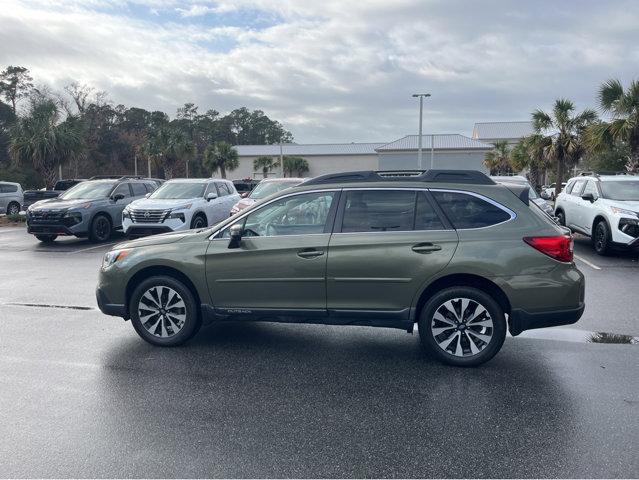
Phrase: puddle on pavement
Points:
(579, 336)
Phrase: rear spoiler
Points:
(521, 191)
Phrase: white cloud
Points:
(330, 70)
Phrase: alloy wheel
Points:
(13, 209)
(462, 327)
(102, 228)
(162, 311)
(600, 238)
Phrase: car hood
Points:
(160, 203)
(161, 239)
(627, 204)
(59, 204)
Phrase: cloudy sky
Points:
(330, 70)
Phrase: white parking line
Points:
(592, 265)
(102, 245)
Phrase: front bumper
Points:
(142, 229)
(58, 225)
(521, 320)
(108, 308)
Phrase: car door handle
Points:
(310, 253)
(426, 248)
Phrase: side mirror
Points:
(588, 196)
(235, 232)
(211, 196)
(117, 196)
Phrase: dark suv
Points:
(456, 253)
(90, 209)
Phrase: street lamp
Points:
(421, 109)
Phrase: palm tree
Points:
(498, 159)
(564, 134)
(44, 139)
(623, 107)
(266, 164)
(529, 153)
(295, 166)
(221, 156)
(169, 147)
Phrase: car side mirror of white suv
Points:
(588, 196)
(211, 196)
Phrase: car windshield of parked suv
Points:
(88, 190)
(265, 189)
(627, 190)
(179, 190)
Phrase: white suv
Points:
(604, 207)
(180, 204)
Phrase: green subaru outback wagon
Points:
(461, 256)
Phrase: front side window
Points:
(302, 214)
(122, 189)
(468, 211)
(223, 189)
(591, 188)
(577, 187)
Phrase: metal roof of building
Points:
(505, 130)
(308, 149)
(441, 142)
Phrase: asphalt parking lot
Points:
(83, 396)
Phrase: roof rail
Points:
(436, 176)
(117, 177)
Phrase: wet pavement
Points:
(83, 396)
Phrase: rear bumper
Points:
(521, 320)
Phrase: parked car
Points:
(90, 209)
(11, 197)
(449, 249)
(180, 205)
(32, 196)
(532, 194)
(245, 186)
(266, 187)
(548, 193)
(603, 207)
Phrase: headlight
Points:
(126, 213)
(182, 207)
(177, 215)
(72, 218)
(622, 211)
(114, 256)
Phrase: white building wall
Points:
(318, 165)
(456, 160)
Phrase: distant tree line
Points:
(81, 131)
(563, 138)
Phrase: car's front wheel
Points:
(199, 221)
(462, 326)
(13, 208)
(164, 311)
(601, 238)
(561, 218)
(100, 230)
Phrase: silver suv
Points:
(11, 197)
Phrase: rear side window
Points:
(122, 189)
(151, 187)
(379, 211)
(6, 188)
(468, 211)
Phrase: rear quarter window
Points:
(468, 211)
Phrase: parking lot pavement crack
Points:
(45, 305)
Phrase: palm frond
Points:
(609, 93)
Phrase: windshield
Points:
(88, 190)
(626, 190)
(179, 190)
(265, 189)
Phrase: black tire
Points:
(46, 238)
(100, 229)
(198, 221)
(561, 216)
(486, 339)
(153, 327)
(13, 208)
(601, 238)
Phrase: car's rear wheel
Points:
(561, 217)
(13, 208)
(100, 230)
(462, 326)
(46, 238)
(199, 221)
(601, 238)
(164, 311)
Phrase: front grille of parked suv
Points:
(45, 216)
(149, 216)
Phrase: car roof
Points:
(607, 178)
(283, 180)
(9, 183)
(192, 180)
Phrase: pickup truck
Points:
(32, 196)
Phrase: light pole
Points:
(421, 110)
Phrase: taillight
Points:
(559, 247)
